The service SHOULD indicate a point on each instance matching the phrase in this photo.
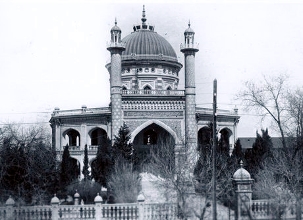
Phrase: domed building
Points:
(144, 83)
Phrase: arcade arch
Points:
(72, 137)
(157, 141)
(205, 138)
(98, 136)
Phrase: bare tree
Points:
(268, 97)
(27, 163)
(295, 110)
(280, 182)
(192, 193)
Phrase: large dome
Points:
(145, 44)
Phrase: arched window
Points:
(73, 137)
(147, 89)
(169, 88)
(98, 137)
(124, 90)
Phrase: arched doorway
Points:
(154, 142)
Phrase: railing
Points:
(191, 45)
(149, 57)
(265, 209)
(120, 211)
(116, 44)
(260, 208)
(152, 92)
(33, 213)
(98, 211)
(158, 211)
(74, 148)
(93, 147)
(77, 150)
(67, 212)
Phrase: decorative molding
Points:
(154, 114)
(153, 105)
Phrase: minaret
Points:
(116, 46)
(189, 48)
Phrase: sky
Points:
(53, 53)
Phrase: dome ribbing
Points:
(144, 43)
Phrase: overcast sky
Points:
(53, 53)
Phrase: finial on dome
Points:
(189, 23)
(143, 19)
(115, 21)
(241, 164)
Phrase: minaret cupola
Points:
(115, 33)
(189, 35)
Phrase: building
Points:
(144, 77)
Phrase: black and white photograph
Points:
(151, 110)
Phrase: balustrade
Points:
(260, 208)
(120, 211)
(158, 211)
(74, 148)
(149, 56)
(67, 212)
(97, 211)
(33, 213)
(93, 147)
(152, 92)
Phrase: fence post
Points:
(10, 202)
(243, 183)
(55, 207)
(76, 196)
(140, 200)
(98, 206)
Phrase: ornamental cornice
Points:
(102, 119)
(220, 117)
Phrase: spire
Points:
(115, 28)
(143, 19)
(143, 25)
(188, 23)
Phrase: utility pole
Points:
(214, 196)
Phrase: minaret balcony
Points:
(143, 92)
(116, 44)
(194, 46)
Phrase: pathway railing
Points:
(97, 211)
